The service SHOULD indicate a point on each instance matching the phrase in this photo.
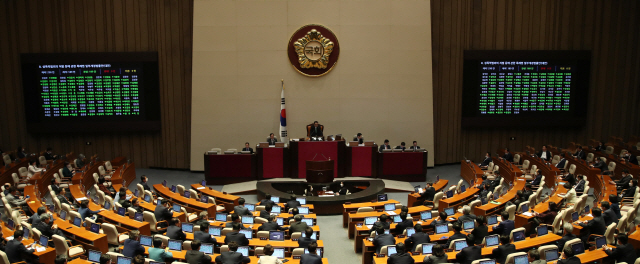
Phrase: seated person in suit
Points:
(441, 219)
(568, 257)
(501, 252)
(203, 235)
(629, 158)
(457, 228)
(271, 225)
(519, 199)
(267, 200)
(548, 216)
(580, 153)
(385, 145)
(66, 171)
(235, 218)
(62, 196)
(158, 253)
(163, 212)
(203, 217)
(48, 155)
(143, 182)
(466, 214)
(303, 242)
(485, 189)
(595, 226)
(561, 163)
(609, 215)
(600, 147)
(615, 204)
(266, 212)
(382, 239)
(567, 235)
(538, 178)
(624, 252)
(236, 236)
(400, 227)
(485, 162)
(470, 253)
(240, 209)
(174, 231)
(631, 190)
(272, 139)
(402, 147)
(132, 245)
(359, 138)
(343, 190)
(401, 256)
(507, 155)
(292, 213)
(481, 230)
(48, 228)
(570, 178)
(599, 164)
(545, 154)
(297, 225)
(427, 195)
(267, 258)
(623, 183)
(247, 148)
(194, 256)
(414, 146)
(438, 256)
(504, 227)
(312, 257)
(35, 218)
(316, 130)
(534, 257)
(528, 191)
(581, 182)
(496, 182)
(309, 191)
(55, 186)
(17, 252)
(293, 203)
(419, 237)
(384, 223)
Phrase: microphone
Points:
(314, 157)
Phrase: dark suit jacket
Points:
(629, 193)
(383, 240)
(486, 161)
(468, 217)
(316, 131)
(383, 146)
(342, 191)
(416, 239)
(248, 149)
(537, 180)
(495, 183)
(414, 148)
(595, 226)
(45, 229)
(633, 159)
(500, 253)
(609, 217)
(241, 210)
(428, 194)
(624, 182)
(197, 257)
(297, 227)
(571, 179)
(469, 254)
(16, 251)
(132, 248)
(272, 141)
(564, 240)
(549, 156)
(504, 227)
(270, 226)
(581, 154)
(401, 258)
(145, 186)
(400, 227)
(561, 163)
(162, 213)
(384, 225)
(508, 156)
(304, 242)
(265, 202)
(400, 147)
(479, 233)
(48, 156)
(526, 194)
(66, 172)
(231, 257)
(174, 232)
(571, 260)
(264, 214)
(454, 237)
(310, 259)
(204, 237)
(623, 253)
(580, 186)
(292, 204)
(237, 237)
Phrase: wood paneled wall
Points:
(55, 26)
(610, 29)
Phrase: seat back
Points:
(260, 220)
(74, 214)
(16, 178)
(458, 187)
(533, 169)
(622, 224)
(474, 204)
(42, 160)
(365, 209)
(108, 166)
(511, 257)
(140, 190)
(436, 199)
(498, 189)
(297, 252)
(23, 171)
(151, 218)
(525, 165)
(609, 150)
(165, 240)
(262, 234)
(610, 233)
(101, 170)
(383, 250)
(96, 177)
(296, 235)
(61, 245)
(6, 158)
(180, 189)
(111, 232)
(453, 243)
(490, 167)
(571, 242)
(511, 209)
(590, 157)
(556, 159)
(516, 159)
(533, 199)
(101, 197)
(478, 261)
(572, 168)
(543, 250)
(224, 248)
(567, 214)
(612, 166)
(3, 256)
(186, 245)
(516, 230)
(227, 230)
(194, 194)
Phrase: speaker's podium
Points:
(319, 171)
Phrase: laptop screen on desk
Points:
(524, 208)
(187, 194)
(575, 216)
(77, 221)
(309, 221)
(146, 240)
(44, 241)
(460, 245)
(523, 259)
(518, 236)
(250, 207)
(244, 251)
(187, 228)
(276, 235)
(427, 248)
(204, 199)
(370, 220)
(303, 210)
(247, 233)
(95, 228)
(280, 221)
(492, 220)
(425, 215)
(491, 261)
(397, 219)
(107, 205)
(390, 207)
(382, 197)
(441, 229)
(276, 209)
(577, 248)
(302, 200)
(136, 192)
(138, 216)
(449, 194)
(121, 211)
(470, 224)
(175, 245)
(542, 230)
(586, 209)
(94, 256)
(221, 217)
(63, 214)
(215, 231)
(318, 251)
(147, 198)
(275, 199)
(463, 188)
(206, 248)
(278, 253)
(314, 235)
(600, 241)
(410, 231)
(450, 211)
(391, 250)
(124, 260)
(247, 219)
(551, 255)
(492, 240)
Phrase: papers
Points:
(369, 226)
(527, 214)
(81, 198)
(589, 215)
(200, 188)
(325, 195)
(494, 202)
(391, 213)
(40, 249)
(272, 146)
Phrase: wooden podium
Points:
(319, 171)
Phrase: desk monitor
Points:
(600, 241)
(107, 205)
(44, 240)
(215, 231)
(390, 207)
(483, 200)
(410, 231)
(522, 259)
(94, 256)
(309, 221)
(63, 214)
(187, 194)
(425, 215)
(206, 248)
(280, 221)
(121, 211)
(177, 208)
(95, 228)
(314, 235)
(136, 192)
(492, 240)
(491, 261)
(575, 216)
(146, 240)
(247, 219)
(147, 198)
(158, 201)
(276, 209)
(164, 183)
(276, 235)
(391, 250)
(124, 260)
(275, 199)
(460, 245)
(175, 245)
(463, 188)
(450, 211)
(26, 232)
(278, 253)
(247, 233)
(397, 219)
(303, 210)
(543, 230)
(173, 188)
(244, 250)
(518, 236)
(387, 231)
(204, 199)
(496, 196)
(586, 209)
(52, 207)
(370, 220)
(469, 224)
(221, 217)
(442, 229)
(302, 200)
(318, 251)
(492, 220)
(577, 248)
(138, 217)
(77, 222)
(382, 197)
(250, 207)
(187, 227)
(449, 194)
(427, 248)
(524, 208)
(551, 255)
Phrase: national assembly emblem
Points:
(313, 50)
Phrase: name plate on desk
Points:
(279, 144)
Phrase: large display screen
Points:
(525, 88)
(88, 92)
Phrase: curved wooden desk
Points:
(46, 256)
(188, 203)
(491, 207)
(227, 200)
(412, 199)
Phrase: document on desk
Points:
(200, 188)
(369, 226)
(391, 213)
(527, 214)
(81, 198)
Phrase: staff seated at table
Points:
(33, 168)
(485, 190)
(545, 154)
(359, 138)
(481, 230)
(438, 256)
(247, 148)
(303, 242)
(84, 210)
(608, 214)
(402, 147)
(342, 189)
(568, 257)
(417, 238)
(485, 162)
(240, 209)
(470, 253)
(194, 256)
(271, 225)
(316, 130)
(236, 236)
(623, 252)
(203, 234)
(297, 225)
(501, 252)
(414, 146)
(630, 192)
(563, 161)
(163, 213)
(132, 246)
(595, 226)
(384, 222)
(401, 256)
(143, 182)
(570, 178)
(615, 204)
(580, 185)
(457, 234)
(66, 171)
(441, 219)
(507, 155)
(428, 194)
(623, 183)
(580, 153)
(547, 216)
(272, 139)
(626, 156)
(267, 258)
(55, 187)
(312, 257)
(203, 217)
(381, 239)
(504, 227)
(16, 251)
(406, 223)
(174, 231)
(157, 253)
(104, 188)
(538, 178)
(385, 145)
(293, 203)
(35, 218)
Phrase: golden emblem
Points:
(313, 50)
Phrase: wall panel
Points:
(610, 29)
(57, 26)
